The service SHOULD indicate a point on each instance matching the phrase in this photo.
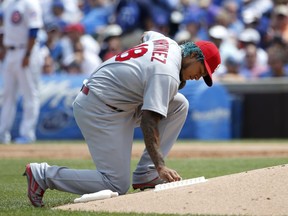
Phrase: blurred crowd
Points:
(252, 35)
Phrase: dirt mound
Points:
(257, 192)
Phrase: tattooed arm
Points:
(149, 126)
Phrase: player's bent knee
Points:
(179, 104)
(120, 183)
(182, 100)
(122, 187)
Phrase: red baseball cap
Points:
(212, 59)
(76, 27)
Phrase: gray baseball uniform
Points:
(145, 77)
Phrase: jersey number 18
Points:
(134, 52)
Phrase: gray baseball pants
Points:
(109, 136)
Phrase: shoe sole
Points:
(142, 188)
(148, 185)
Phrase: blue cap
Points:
(50, 26)
(58, 3)
(160, 16)
(192, 15)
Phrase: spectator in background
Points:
(279, 22)
(209, 11)
(97, 16)
(48, 66)
(277, 57)
(183, 36)
(251, 36)
(220, 36)
(256, 7)
(176, 19)
(280, 43)
(251, 18)
(232, 71)
(61, 11)
(79, 49)
(134, 17)
(72, 10)
(250, 67)
(72, 63)
(75, 33)
(222, 18)
(112, 43)
(232, 8)
(192, 23)
(256, 15)
(164, 17)
(52, 41)
(57, 14)
(161, 20)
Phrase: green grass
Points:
(13, 185)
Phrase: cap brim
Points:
(208, 78)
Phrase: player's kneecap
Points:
(180, 103)
(121, 186)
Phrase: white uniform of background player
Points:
(19, 17)
(143, 78)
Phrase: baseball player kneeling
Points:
(138, 87)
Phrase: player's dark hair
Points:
(190, 47)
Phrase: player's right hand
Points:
(168, 174)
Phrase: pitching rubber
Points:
(181, 183)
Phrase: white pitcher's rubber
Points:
(181, 183)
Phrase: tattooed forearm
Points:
(149, 126)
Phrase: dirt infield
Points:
(180, 150)
(259, 192)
